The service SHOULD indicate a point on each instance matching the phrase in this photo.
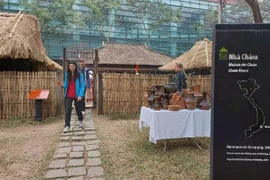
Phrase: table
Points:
(165, 124)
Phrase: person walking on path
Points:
(85, 72)
(74, 90)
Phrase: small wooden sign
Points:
(39, 94)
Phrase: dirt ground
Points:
(23, 150)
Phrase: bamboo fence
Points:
(204, 81)
(123, 93)
(15, 88)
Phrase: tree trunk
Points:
(254, 5)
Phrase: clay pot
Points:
(192, 89)
(157, 105)
(191, 102)
(169, 88)
(204, 105)
(199, 98)
(197, 88)
(165, 104)
(177, 99)
(145, 100)
(185, 92)
(151, 96)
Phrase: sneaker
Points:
(80, 124)
(83, 113)
(66, 129)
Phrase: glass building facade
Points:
(171, 39)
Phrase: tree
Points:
(54, 17)
(240, 13)
(2, 3)
(152, 15)
(254, 5)
(102, 15)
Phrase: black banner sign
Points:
(240, 136)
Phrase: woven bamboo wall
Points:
(204, 81)
(15, 88)
(123, 93)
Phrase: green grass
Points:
(18, 122)
(128, 154)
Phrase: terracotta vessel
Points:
(169, 88)
(185, 92)
(177, 99)
(204, 105)
(198, 97)
(197, 88)
(191, 102)
(159, 90)
(192, 89)
(145, 100)
(151, 94)
(157, 105)
(165, 104)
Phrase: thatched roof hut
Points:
(124, 57)
(21, 41)
(198, 57)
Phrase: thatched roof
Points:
(198, 57)
(130, 54)
(20, 39)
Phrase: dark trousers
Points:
(83, 101)
(68, 103)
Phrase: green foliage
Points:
(153, 14)
(54, 16)
(2, 3)
(102, 15)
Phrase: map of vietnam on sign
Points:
(250, 86)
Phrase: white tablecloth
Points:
(166, 124)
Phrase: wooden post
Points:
(59, 95)
(65, 59)
(100, 94)
(95, 71)
(170, 78)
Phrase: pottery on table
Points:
(204, 105)
(151, 96)
(177, 99)
(170, 88)
(164, 104)
(157, 105)
(145, 100)
(185, 92)
(191, 102)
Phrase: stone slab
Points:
(76, 138)
(64, 150)
(93, 162)
(91, 132)
(76, 162)
(78, 143)
(90, 137)
(80, 133)
(64, 144)
(76, 178)
(93, 142)
(67, 134)
(93, 153)
(91, 147)
(95, 171)
(58, 164)
(97, 179)
(76, 155)
(60, 156)
(78, 171)
(56, 173)
(65, 138)
(78, 148)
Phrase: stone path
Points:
(78, 156)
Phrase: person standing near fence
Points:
(82, 69)
(180, 78)
(74, 88)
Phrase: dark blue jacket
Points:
(86, 77)
(180, 81)
(79, 83)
